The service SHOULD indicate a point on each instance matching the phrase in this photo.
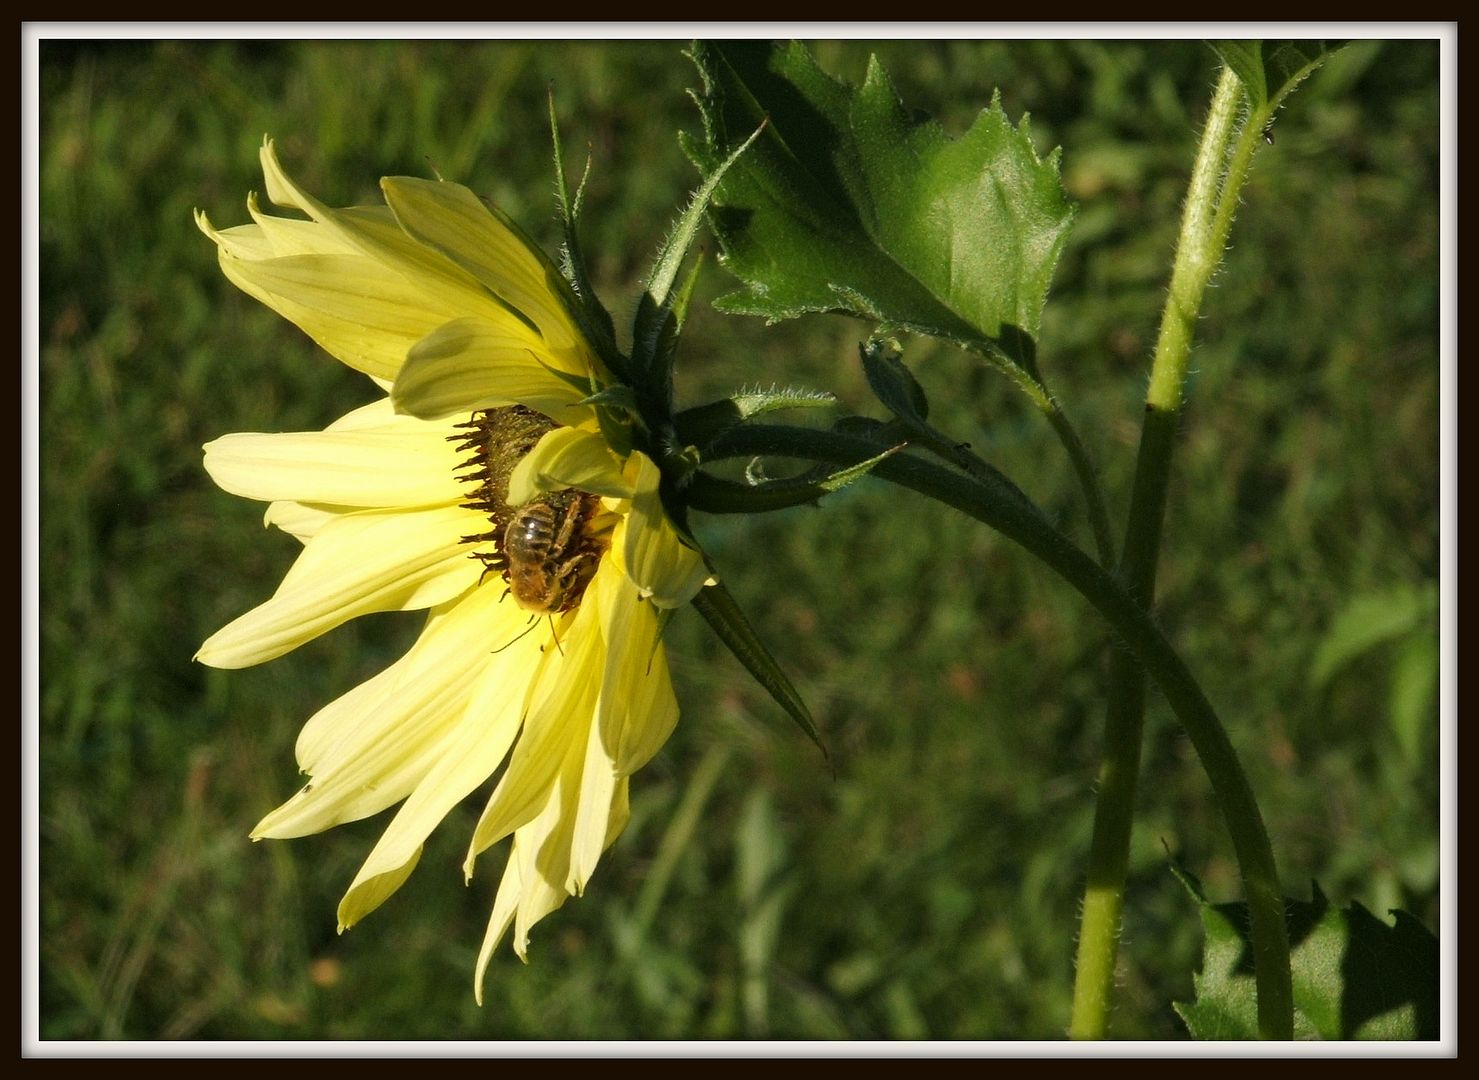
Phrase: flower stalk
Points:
(1217, 177)
(1007, 512)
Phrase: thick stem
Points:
(1217, 178)
(1020, 521)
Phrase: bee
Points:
(549, 551)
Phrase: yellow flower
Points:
(409, 503)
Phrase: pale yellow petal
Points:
(543, 852)
(485, 733)
(559, 716)
(662, 566)
(373, 231)
(450, 219)
(597, 787)
(636, 711)
(473, 364)
(499, 920)
(335, 725)
(365, 898)
(568, 458)
(373, 560)
(299, 520)
(344, 468)
(358, 311)
(379, 742)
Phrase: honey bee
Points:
(547, 550)
(550, 554)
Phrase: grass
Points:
(930, 890)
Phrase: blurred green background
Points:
(930, 889)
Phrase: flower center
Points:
(546, 550)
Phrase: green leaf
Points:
(1413, 695)
(700, 425)
(761, 495)
(848, 203)
(595, 320)
(1367, 621)
(1270, 70)
(654, 330)
(1355, 977)
(724, 616)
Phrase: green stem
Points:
(1023, 523)
(1088, 479)
(1217, 178)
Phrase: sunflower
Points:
(484, 487)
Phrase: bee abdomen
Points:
(530, 536)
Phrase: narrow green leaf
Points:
(665, 269)
(1355, 977)
(720, 611)
(615, 396)
(761, 494)
(655, 327)
(848, 203)
(842, 477)
(593, 316)
(698, 426)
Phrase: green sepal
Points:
(717, 496)
(724, 616)
(595, 321)
(1355, 977)
(1270, 70)
(616, 396)
(656, 325)
(700, 425)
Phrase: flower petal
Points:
(473, 363)
(372, 560)
(378, 743)
(347, 468)
(562, 701)
(568, 458)
(592, 812)
(662, 566)
(470, 755)
(358, 311)
(511, 888)
(373, 231)
(636, 711)
(450, 219)
(299, 520)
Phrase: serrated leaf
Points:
(1355, 977)
(1270, 70)
(724, 616)
(848, 203)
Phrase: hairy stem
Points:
(1217, 177)
(1019, 520)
